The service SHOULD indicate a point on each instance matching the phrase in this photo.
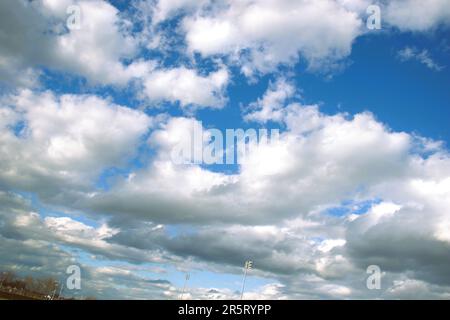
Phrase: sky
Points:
(97, 96)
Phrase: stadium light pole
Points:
(248, 265)
(184, 287)
(54, 291)
(60, 290)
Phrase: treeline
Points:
(45, 288)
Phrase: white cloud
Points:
(409, 53)
(330, 244)
(64, 140)
(39, 38)
(97, 51)
(187, 87)
(274, 32)
(304, 170)
(416, 15)
(271, 106)
(415, 289)
(165, 9)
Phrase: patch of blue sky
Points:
(240, 94)
(318, 239)
(207, 279)
(352, 207)
(109, 176)
(60, 82)
(18, 128)
(218, 280)
(179, 230)
(407, 96)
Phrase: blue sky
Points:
(90, 116)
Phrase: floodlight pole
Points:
(184, 287)
(247, 266)
(61, 289)
(54, 291)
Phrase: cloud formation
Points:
(87, 172)
(423, 57)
